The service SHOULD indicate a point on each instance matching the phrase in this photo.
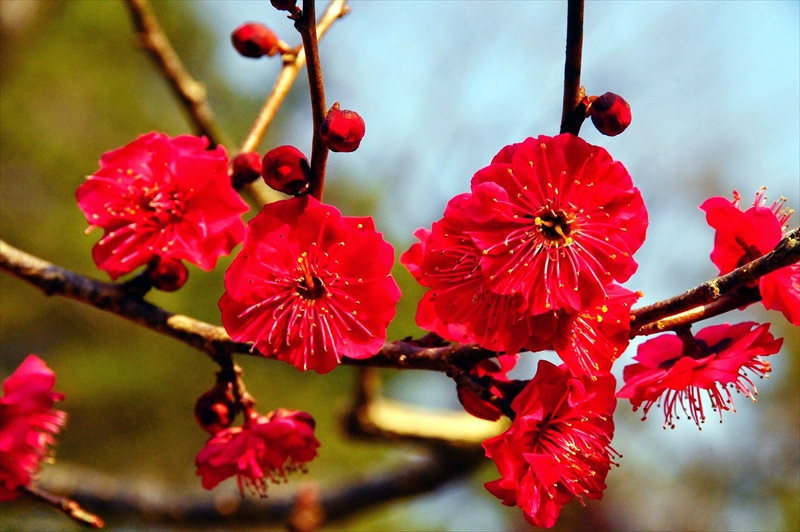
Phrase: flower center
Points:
(309, 286)
(555, 226)
(164, 205)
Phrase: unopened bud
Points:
(286, 170)
(342, 130)
(215, 410)
(168, 275)
(246, 169)
(611, 114)
(256, 40)
(284, 5)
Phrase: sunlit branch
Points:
(373, 416)
(573, 111)
(66, 506)
(190, 92)
(787, 252)
(306, 25)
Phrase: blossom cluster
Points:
(532, 258)
(264, 449)
(28, 424)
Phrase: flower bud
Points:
(286, 170)
(284, 5)
(256, 40)
(215, 410)
(611, 114)
(168, 275)
(246, 169)
(342, 130)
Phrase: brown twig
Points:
(190, 92)
(787, 252)
(292, 64)
(66, 506)
(306, 25)
(291, 68)
(573, 112)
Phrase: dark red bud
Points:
(168, 275)
(215, 410)
(284, 5)
(286, 170)
(611, 114)
(477, 406)
(256, 40)
(342, 130)
(246, 169)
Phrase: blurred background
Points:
(442, 86)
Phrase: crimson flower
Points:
(265, 448)
(556, 220)
(742, 237)
(28, 424)
(310, 285)
(162, 197)
(460, 306)
(674, 371)
(558, 446)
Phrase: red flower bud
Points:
(168, 275)
(256, 40)
(284, 5)
(215, 410)
(611, 114)
(286, 169)
(246, 169)
(342, 130)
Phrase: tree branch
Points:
(787, 252)
(424, 472)
(573, 112)
(191, 93)
(211, 339)
(399, 354)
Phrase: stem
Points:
(66, 506)
(291, 68)
(190, 92)
(573, 112)
(306, 25)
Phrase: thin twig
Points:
(573, 112)
(292, 64)
(190, 92)
(286, 78)
(787, 252)
(306, 25)
(66, 506)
